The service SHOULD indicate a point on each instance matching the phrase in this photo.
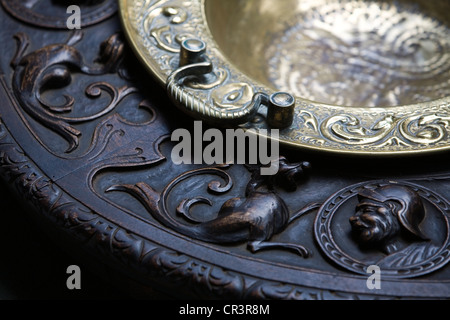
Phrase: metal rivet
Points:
(192, 51)
(280, 113)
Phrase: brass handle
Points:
(193, 62)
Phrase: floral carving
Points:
(254, 218)
(50, 67)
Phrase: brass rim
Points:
(154, 30)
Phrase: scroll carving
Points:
(130, 250)
(425, 128)
(347, 129)
(254, 218)
(163, 34)
(50, 67)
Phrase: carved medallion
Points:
(401, 227)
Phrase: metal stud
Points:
(192, 51)
(280, 112)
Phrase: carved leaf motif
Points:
(348, 129)
(254, 218)
(426, 128)
(163, 34)
(50, 67)
(309, 120)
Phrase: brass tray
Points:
(368, 77)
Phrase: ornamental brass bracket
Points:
(194, 62)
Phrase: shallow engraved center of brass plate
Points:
(347, 53)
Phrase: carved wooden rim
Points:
(328, 244)
(390, 131)
(147, 258)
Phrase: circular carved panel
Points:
(357, 227)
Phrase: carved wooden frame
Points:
(141, 248)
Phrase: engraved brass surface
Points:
(369, 77)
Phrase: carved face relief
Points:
(374, 222)
(388, 224)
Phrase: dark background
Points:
(33, 266)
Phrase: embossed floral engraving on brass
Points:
(369, 77)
